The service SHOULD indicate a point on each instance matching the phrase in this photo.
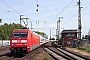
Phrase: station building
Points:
(68, 37)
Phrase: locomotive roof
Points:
(69, 31)
(21, 30)
(24, 30)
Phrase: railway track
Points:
(71, 53)
(6, 55)
(9, 56)
(58, 53)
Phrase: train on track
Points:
(24, 41)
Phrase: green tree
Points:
(86, 36)
(0, 20)
(40, 33)
(6, 30)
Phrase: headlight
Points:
(25, 44)
(28, 47)
(23, 41)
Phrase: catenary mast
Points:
(79, 20)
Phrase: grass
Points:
(69, 46)
(87, 49)
(46, 57)
(83, 48)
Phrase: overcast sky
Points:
(48, 14)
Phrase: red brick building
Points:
(68, 36)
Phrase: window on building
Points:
(70, 34)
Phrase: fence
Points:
(4, 42)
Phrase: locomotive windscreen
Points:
(20, 34)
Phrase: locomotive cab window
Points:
(20, 34)
(70, 34)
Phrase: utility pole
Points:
(79, 20)
(37, 14)
(57, 30)
(59, 27)
(8, 15)
(20, 20)
(45, 26)
(31, 25)
(50, 33)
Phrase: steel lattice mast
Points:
(79, 20)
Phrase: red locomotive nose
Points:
(24, 40)
(19, 38)
(18, 41)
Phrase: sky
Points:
(48, 14)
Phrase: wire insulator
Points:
(37, 5)
(37, 10)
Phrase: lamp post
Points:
(50, 34)
(45, 26)
(8, 15)
(31, 24)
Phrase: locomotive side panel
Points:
(35, 40)
(29, 41)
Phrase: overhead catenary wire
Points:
(76, 14)
(10, 7)
(59, 4)
(55, 13)
(20, 5)
(63, 10)
(23, 8)
(70, 10)
(71, 17)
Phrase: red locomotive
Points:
(23, 41)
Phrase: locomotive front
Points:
(18, 42)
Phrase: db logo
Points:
(19, 38)
(18, 41)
